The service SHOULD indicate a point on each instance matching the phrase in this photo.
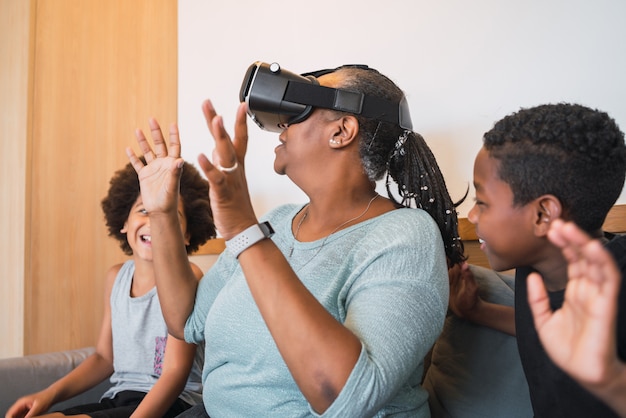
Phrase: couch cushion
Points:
(475, 371)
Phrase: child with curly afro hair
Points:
(146, 378)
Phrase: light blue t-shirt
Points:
(385, 279)
(139, 341)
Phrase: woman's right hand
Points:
(225, 171)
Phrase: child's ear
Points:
(187, 238)
(548, 209)
(124, 229)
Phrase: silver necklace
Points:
(295, 235)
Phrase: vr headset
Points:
(277, 98)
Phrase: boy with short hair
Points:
(549, 162)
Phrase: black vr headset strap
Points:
(348, 101)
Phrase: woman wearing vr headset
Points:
(326, 308)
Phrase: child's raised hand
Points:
(160, 175)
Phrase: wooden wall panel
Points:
(15, 56)
(101, 68)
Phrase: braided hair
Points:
(404, 156)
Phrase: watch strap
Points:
(248, 237)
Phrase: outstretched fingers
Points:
(224, 150)
(241, 132)
(602, 270)
(144, 145)
(587, 258)
(230, 200)
(174, 148)
(137, 164)
(159, 174)
(160, 148)
(569, 238)
(228, 155)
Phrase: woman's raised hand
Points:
(230, 199)
(160, 175)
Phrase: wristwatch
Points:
(250, 236)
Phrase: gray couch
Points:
(20, 376)
(476, 372)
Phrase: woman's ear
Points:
(124, 228)
(346, 130)
(549, 208)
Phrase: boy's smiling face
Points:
(506, 231)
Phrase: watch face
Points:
(267, 229)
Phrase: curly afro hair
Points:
(572, 152)
(194, 192)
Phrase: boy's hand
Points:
(464, 298)
(581, 336)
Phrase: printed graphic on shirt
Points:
(159, 354)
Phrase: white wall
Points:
(463, 65)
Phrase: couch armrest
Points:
(21, 376)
